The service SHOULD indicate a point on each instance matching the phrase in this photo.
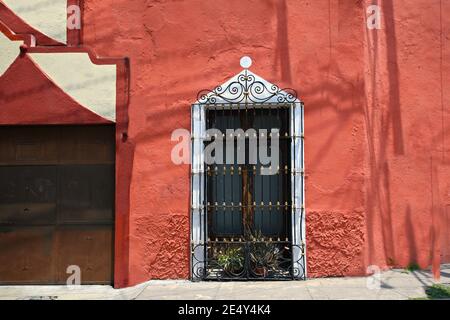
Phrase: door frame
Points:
(124, 146)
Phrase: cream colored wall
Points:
(93, 86)
(47, 16)
(9, 50)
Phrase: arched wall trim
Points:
(21, 27)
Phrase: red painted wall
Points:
(376, 117)
(27, 96)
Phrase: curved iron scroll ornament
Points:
(209, 268)
(246, 88)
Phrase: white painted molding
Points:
(93, 86)
(9, 50)
(46, 16)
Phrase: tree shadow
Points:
(410, 236)
(379, 193)
(379, 122)
(282, 55)
(393, 75)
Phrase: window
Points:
(241, 201)
(247, 212)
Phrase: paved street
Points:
(395, 284)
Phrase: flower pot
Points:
(261, 271)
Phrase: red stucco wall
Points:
(376, 116)
(37, 99)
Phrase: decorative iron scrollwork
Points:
(247, 88)
(247, 260)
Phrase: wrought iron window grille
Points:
(237, 254)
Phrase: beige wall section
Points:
(9, 50)
(93, 86)
(47, 16)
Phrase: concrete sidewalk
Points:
(395, 284)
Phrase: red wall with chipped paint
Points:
(376, 115)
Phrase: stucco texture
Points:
(376, 118)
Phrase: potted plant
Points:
(264, 255)
(231, 260)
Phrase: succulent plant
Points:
(231, 259)
(264, 254)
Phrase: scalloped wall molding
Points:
(93, 86)
(9, 50)
(47, 16)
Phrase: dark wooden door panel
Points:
(56, 203)
(26, 255)
(89, 145)
(28, 145)
(87, 248)
(28, 195)
(53, 145)
(86, 194)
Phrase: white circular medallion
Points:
(246, 62)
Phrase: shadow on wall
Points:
(384, 129)
(410, 236)
(282, 56)
(394, 84)
(378, 203)
(379, 206)
(335, 230)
